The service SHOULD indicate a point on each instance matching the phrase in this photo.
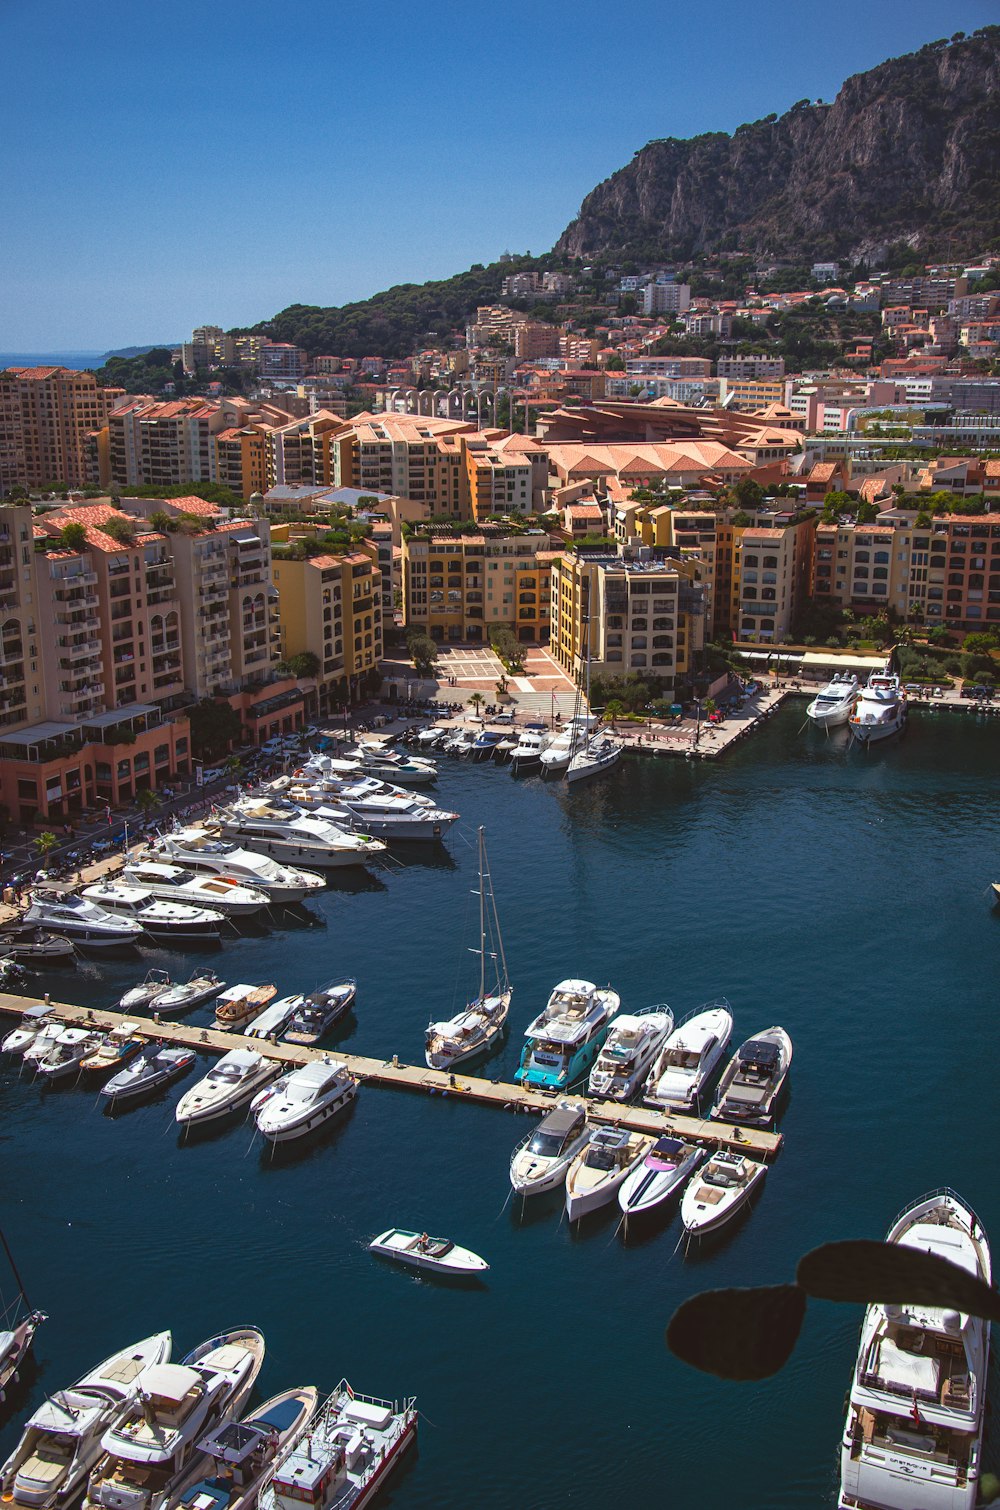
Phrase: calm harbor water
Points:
(840, 894)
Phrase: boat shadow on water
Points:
(435, 1279)
(529, 1210)
(703, 1249)
(649, 1226)
(309, 1146)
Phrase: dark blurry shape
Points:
(738, 1334)
(864, 1272)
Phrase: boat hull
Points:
(127, 1094)
(299, 1127)
(699, 1223)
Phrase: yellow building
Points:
(241, 460)
(456, 588)
(331, 606)
(750, 395)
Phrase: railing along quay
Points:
(390, 1073)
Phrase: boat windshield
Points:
(548, 1145)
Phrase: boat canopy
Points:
(168, 1381)
(562, 1121)
(234, 1442)
(760, 1052)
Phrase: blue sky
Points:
(166, 165)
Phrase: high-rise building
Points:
(46, 417)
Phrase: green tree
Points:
(146, 800)
(215, 726)
(73, 537)
(615, 709)
(45, 843)
(981, 643)
(867, 512)
(476, 701)
(506, 645)
(423, 652)
(305, 664)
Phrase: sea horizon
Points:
(78, 360)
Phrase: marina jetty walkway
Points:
(390, 1073)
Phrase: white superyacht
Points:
(881, 709)
(288, 834)
(206, 854)
(833, 704)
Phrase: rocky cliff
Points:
(908, 151)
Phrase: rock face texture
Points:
(909, 151)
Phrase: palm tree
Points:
(45, 843)
(146, 800)
(476, 701)
(614, 710)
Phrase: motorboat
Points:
(324, 779)
(33, 1020)
(598, 755)
(152, 1452)
(527, 753)
(229, 1085)
(67, 1054)
(629, 1049)
(315, 1014)
(352, 1446)
(564, 1039)
(142, 997)
(238, 1005)
(834, 703)
(722, 1187)
(485, 743)
(753, 1079)
(594, 1176)
(303, 1099)
(475, 1030)
(689, 1058)
(204, 985)
(504, 749)
(78, 918)
(169, 921)
(573, 733)
(370, 806)
(541, 1159)
(419, 1251)
(176, 883)
(460, 744)
(434, 737)
(42, 1043)
(35, 946)
(881, 709)
(149, 1073)
(914, 1432)
(206, 854)
(16, 1335)
(376, 759)
(287, 834)
(113, 1050)
(661, 1174)
(12, 974)
(274, 1019)
(61, 1441)
(240, 1455)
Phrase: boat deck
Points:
(393, 1074)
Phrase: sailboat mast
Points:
(502, 983)
(13, 1269)
(482, 921)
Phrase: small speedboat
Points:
(33, 1020)
(68, 1053)
(628, 1051)
(240, 1455)
(303, 1099)
(114, 1049)
(660, 1175)
(753, 1079)
(419, 1251)
(238, 1005)
(273, 1021)
(35, 946)
(203, 986)
(541, 1159)
(140, 998)
(147, 1074)
(229, 1085)
(43, 1041)
(316, 1013)
(723, 1188)
(485, 743)
(594, 1176)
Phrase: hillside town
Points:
(550, 476)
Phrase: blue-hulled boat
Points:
(563, 1040)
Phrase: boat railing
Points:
(721, 1004)
(397, 1407)
(945, 1192)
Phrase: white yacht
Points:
(303, 1099)
(42, 1043)
(240, 1455)
(541, 1159)
(185, 996)
(628, 1051)
(79, 919)
(689, 1059)
(881, 709)
(67, 1054)
(323, 780)
(377, 759)
(834, 703)
(598, 755)
(753, 1079)
(33, 1019)
(722, 1188)
(175, 883)
(417, 1250)
(168, 921)
(556, 757)
(314, 1015)
(152, 1452)
(661, 1174)
(284, 832)
(140, 998)
(564, 1039)
(913, 1438)
(375, 808)
(229, 1084)
(527, 753)
(472, 1032)
(594, 1176)
(353, 1443)
(460, 744)
(206, 854)
(62, 1439)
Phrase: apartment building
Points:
(331, 605)
(533, 339)
(46, 417)
(668, 367)
(163, 445)
(408, 455)
(20, 675)
(750, 395)
(497, 482)
(280, 359)
(303, 451)
(457, 587)
(638, 613)
(750, 367)
(666, 298)
(772, 566)
(241, 455)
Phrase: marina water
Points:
(839, 893)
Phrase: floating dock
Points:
(392, 1074)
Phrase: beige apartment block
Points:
(47, 415)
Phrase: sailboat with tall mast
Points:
(15, 1343)
(474, 1031)
(595, 752)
